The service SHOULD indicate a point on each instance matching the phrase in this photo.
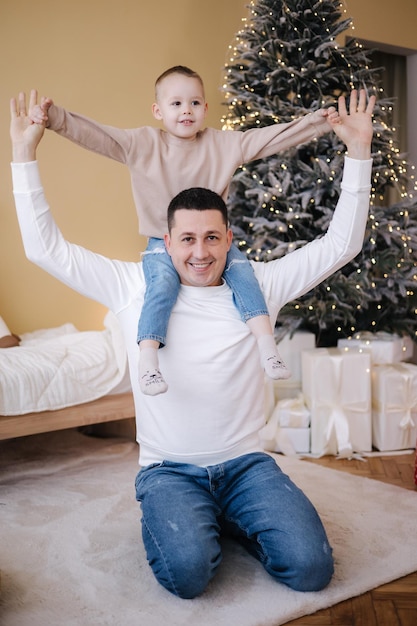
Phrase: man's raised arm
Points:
(92, 275)
(293, 275)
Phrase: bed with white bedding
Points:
(61, 377)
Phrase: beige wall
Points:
(391, 22)
(100, 57)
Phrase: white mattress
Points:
(59, 367)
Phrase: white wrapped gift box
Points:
(269, 397)
(293, 440)
(337, 391)
(384, 347)
(290, 349)
(394, 406)
(286, 389)
(287, 430)
(289, 441)
(291, 413)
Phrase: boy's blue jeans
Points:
(163, 283)
(185, 509)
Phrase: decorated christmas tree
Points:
(285, 62)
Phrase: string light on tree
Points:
(287, 60)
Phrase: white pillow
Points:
(4, 331)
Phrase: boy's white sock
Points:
(151, 381)
(271, 360)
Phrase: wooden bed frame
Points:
(106, 409)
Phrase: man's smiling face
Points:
(198, 245)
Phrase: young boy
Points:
(163, 162)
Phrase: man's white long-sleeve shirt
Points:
(214, 406)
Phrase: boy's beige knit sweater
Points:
(161, 165)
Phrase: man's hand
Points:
(354, 128)
(25, 135)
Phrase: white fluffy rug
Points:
(71, 550)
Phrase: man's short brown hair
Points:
(197, 199)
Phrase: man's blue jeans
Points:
(185, 509)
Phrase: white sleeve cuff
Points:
(26, 177)
(357, 174)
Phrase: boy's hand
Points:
(321, 116)
(25, 135)
(38, 113)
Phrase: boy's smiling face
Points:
(180, 105)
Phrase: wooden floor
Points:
(394, 604)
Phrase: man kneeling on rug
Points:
(203, 471)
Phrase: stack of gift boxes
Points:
(288, 426)
(356, 397)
